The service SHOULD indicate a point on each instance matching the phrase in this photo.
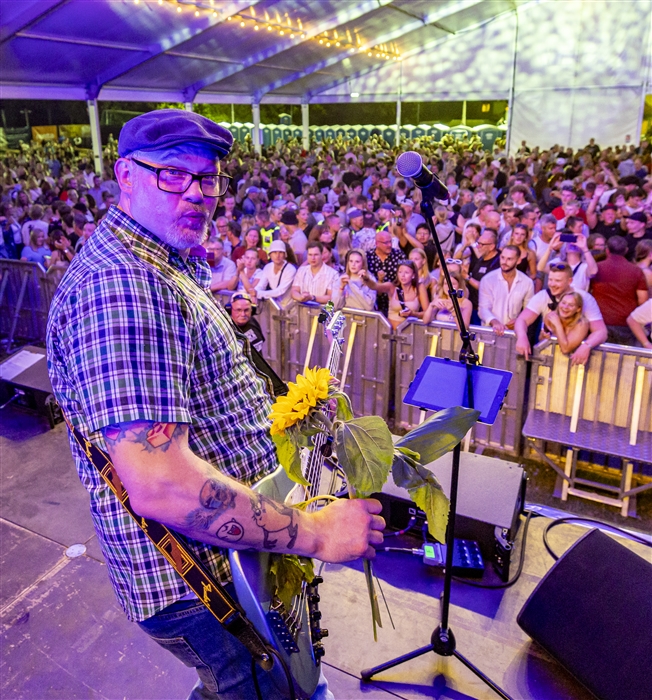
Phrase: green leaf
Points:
(289, 457)
(407, 472)
(365, 452)
(440, 433)
(433, 502)
(344, 410)
(290, 572)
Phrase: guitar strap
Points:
(184, 562)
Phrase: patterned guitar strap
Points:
(184, 562)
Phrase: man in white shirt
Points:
(223, 269)
(277, 276)
(559, 282)
(314, 281)
(505, 292)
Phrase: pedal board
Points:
(467, 558)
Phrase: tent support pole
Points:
(510, 103)
(255, 137)
(398, 123)
(96, 135)
(305, 124)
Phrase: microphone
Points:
(409, 164)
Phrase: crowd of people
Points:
(549, 242)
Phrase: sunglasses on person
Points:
(557, 267)
(176, 181)
(454, 261)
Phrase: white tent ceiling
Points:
(569, 68)
(150, 51)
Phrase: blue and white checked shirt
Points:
(135, 334)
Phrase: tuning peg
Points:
(317, 581)
(319, 651)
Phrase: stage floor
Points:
(64, 635)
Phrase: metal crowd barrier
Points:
(415, 341)
(26, 292)
(367, 361)
(605, 407)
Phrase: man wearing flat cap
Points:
(148, 367)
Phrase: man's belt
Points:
(184, 562)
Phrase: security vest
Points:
(268, 234)
(382, 227)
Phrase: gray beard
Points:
(181, 240)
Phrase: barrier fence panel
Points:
(272, 322)
(605, 407)
(368, 362)
(367, 354)
(415, 341)
(26, 291)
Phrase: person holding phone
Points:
(576, 253)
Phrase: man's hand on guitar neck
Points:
(167, 482)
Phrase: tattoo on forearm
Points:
(274, 518)
(215, 498)
(152, 436)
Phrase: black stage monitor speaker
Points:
(593, 613)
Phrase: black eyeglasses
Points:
(177, 181)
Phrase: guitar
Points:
(296, 632)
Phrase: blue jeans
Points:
(190, 632)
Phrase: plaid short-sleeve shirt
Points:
(135, 334)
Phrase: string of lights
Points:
(285, 27)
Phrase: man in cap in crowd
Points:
(296, 237)
(242, 310)
(149, 368)
(276, 278)
(363, 237)
(251, 203)
(637, 231)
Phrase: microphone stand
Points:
(442, 641)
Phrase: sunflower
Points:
(301, 397)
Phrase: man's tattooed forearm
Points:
(152, 436)
(215, 499)
(274, 518)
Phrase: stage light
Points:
(281, 32)
(269, 28)
(229, 19)
(291, 36)
(160, 2)
(328, 44)
(337, 43)
(242, 24)
(355, 94)
(179, 9)
(321, 41)
(256, 27)
(196, 13)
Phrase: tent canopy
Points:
(191, 52)
(570, 69)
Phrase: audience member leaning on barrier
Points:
(560, 282)
(638, 320)
(352, 292)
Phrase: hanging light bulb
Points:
(160, 2)
(269, 28)
(196, 13)
(242, 24)
(229, 19)
(291, 36)
(321, 41)
(337, 43)
(281, 32)
(178, 8)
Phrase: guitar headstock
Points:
(334, 323)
